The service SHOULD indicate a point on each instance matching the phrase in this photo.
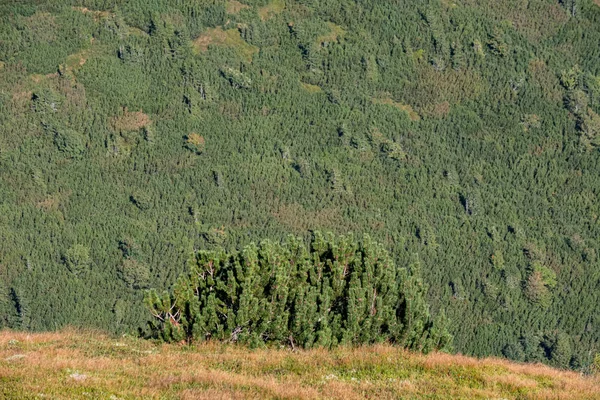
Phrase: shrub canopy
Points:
(336, 291)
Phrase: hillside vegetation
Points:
(82, 365)
(462, 135)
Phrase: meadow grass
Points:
(75, 364)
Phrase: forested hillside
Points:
(463, 135)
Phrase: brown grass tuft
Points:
(130, 121)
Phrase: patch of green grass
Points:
(412, 114)
(273, 8)
(311, 88)
(335, 33)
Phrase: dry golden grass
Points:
(211, 36)
(21, 96)
(74, 365)
(196, 140)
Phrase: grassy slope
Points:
(72, 365)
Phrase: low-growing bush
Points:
(336, 291)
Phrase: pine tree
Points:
(561, 351)
(339, 291)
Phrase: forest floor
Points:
(83, 364)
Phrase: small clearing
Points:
(132, 30)
(270, 10)
(311, 88)
(229, 38)
(130, 121)
(335, 32)
(75, 61)
(234, 7)
(50, 203)
(412, 114)
(96, 14)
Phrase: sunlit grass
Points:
(73, 365)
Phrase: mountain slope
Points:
(463, 135)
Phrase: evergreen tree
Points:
(338, 291)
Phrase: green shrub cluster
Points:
(337, 291)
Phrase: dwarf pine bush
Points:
(337, 291)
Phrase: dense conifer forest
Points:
(462, 135)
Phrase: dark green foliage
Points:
(337, 292)
(77, 258)
(41, 39)
(539, 282)
(237, 79)
(141, 200)
(135, 274)
(514, 351)
(560, 351)
(69, 142)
